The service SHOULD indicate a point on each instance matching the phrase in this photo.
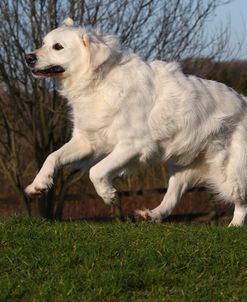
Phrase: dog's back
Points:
(191, 112)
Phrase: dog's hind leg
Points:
(232, 189)
(230, 176)
(234, 192)
(239, 216)
(178, 184)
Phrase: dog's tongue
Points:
(34, 70)
(57, 69)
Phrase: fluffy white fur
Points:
(127, 112)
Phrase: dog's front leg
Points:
(76, 149)
(104, 172)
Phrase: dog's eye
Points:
(57, 46)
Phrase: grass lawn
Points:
(80, 261)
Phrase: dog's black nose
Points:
(31, 59)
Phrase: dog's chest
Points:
(97, 120)
(108, 116)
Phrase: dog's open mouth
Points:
(53, 71)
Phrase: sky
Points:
(235, 13)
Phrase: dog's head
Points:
(68, 50)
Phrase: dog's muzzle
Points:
(47, 72)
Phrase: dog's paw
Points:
(38, 188)
(111, 200)
(35, 190)
(235, 225)
(143, 215)
(109, 197)
(147, 215)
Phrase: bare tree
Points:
(33, 117)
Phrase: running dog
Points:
(128, 112)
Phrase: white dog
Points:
(127, 112)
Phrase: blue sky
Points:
(236, 14)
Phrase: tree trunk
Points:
(117, 211)
(25, 205)
(46, 205)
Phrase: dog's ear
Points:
(99, 51)
(68, 22)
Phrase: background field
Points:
(79, 261)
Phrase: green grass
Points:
(43, 261)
